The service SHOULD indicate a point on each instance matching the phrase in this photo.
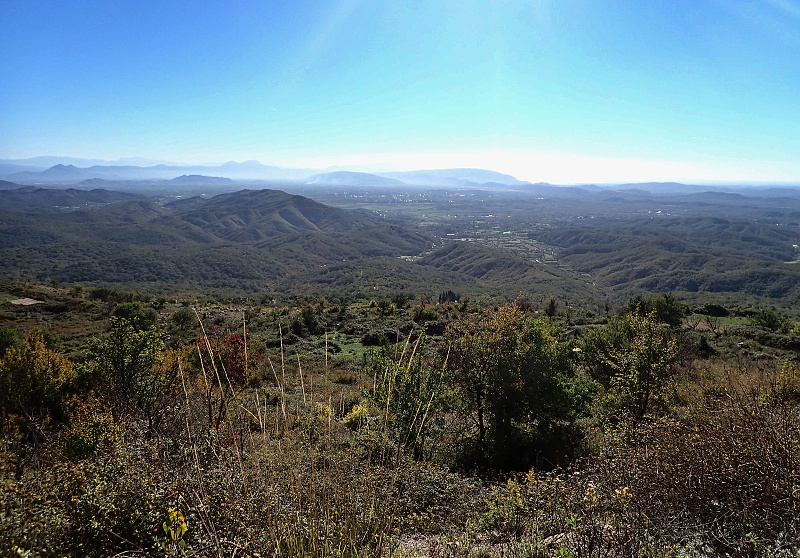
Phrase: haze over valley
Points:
(473, 229)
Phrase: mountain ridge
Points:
(351, 178)
(250, 239)
(65, 171)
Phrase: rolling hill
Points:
(252, 239)
(254, 215)
(538, 239)
(44, 199)
(492, 266)
(685, 255)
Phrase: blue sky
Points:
(550, 90)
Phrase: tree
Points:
(138, 316)
(183, 317)
(385, 307)
(551, 309)
(8, 338)
(517, 381)
(665, 307)
(310, 321)
(773, 321)
(401, 300)
(641, 364)
(126, 358)
(448, 296)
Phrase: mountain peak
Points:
(454, 177)
(351, 178)
(198, 179)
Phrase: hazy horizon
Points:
(547, 91)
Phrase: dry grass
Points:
(266, 467)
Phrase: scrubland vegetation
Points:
(258, 374)
(396, 427)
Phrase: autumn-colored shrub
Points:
(34, 381)
(91, 428)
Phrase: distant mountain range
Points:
(71, 174)
(69, 171)
(200, 180)
(96, 173)
(48, 161)
(347, 178)
(454, 177)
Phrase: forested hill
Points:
(605, 244)
(248, 239)
(254, 215)
(30, 198)
(684, 254)
(501, 267)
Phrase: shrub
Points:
(714, 310)
(34, 380)
(424, 313)
(665, 307)
(8, 338)
(126, 357)
(515, 378)
(374, 338)
(385, 307)
(410, 389)
(356, 418)
(91, 429)
(642, 367)
(773, 321)
(230, 353)
(401, 300)
(101, 506)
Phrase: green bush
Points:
(773, 321)
(102, 506)
(139, 317)
(516, 380)
(409, 386)
(125, 358)
(8, 338)
(183, 317)
(91, 429)
(665, 307)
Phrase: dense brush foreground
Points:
(400, 428)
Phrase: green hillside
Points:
(691, 255)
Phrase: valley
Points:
(333, 240)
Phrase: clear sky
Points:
(547, 90)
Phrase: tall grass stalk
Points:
(282, 498)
